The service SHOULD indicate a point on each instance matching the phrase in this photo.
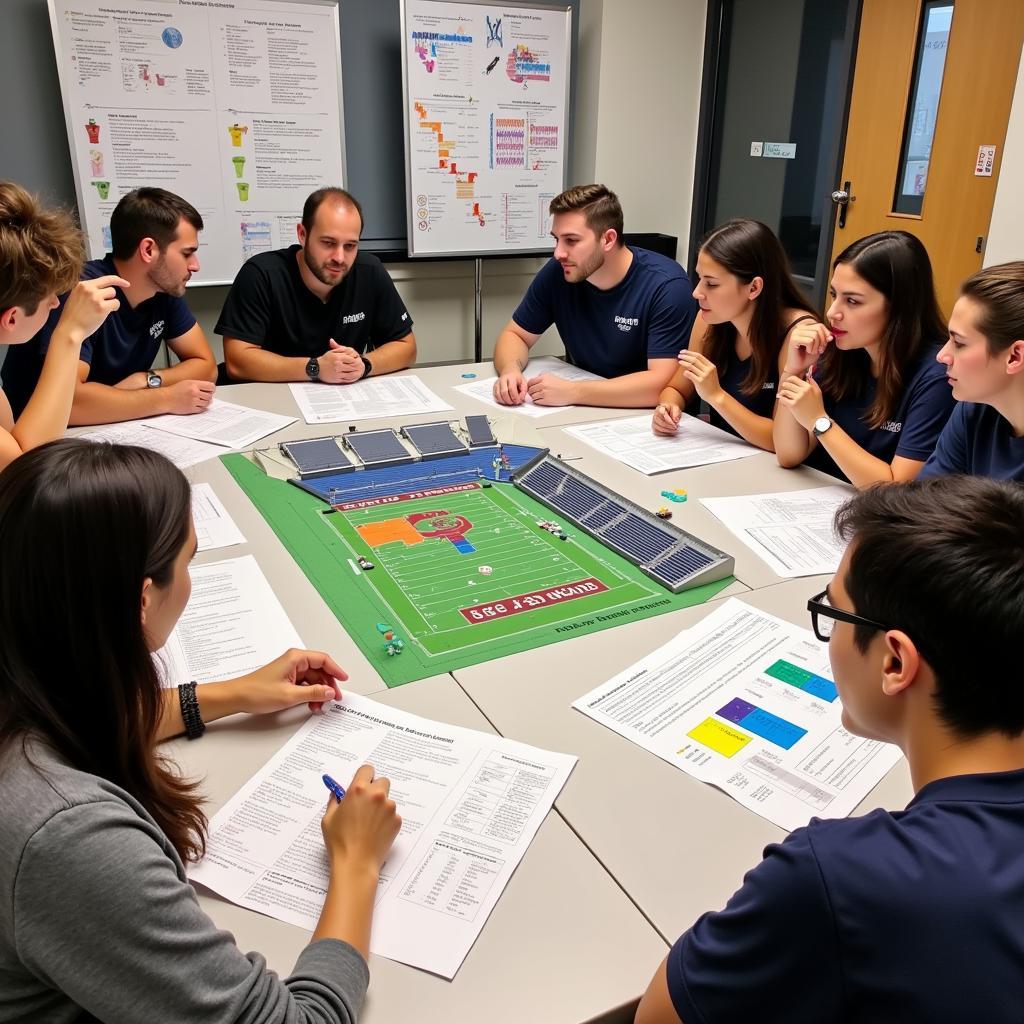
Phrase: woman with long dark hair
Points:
(97, 919)
(749, 307)
(863, 398)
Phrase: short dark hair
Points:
(943, 560)
(78, 673)
(598, 204)
(317, 198)
(149, 213)
(999, 291)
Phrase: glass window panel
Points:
(919, 130)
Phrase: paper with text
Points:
(483, 390)
(214, 527)
(370, 399)
(632, 442)
(746, 702)
(791, 531)
(182, 451)
(233, 623)
(470, 803)
(223, 423)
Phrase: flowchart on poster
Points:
(235, 107)
(486, 93)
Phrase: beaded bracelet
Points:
(194, 725)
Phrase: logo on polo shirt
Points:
(893, 426)
(353, 318)
(626, 323)
(768, 385)
(157, 329)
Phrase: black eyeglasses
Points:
(824, 616)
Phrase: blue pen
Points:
(338, 791)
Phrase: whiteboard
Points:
(486, 91)
(235, 105)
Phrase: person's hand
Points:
(703, 373)
(186, 397)
(297, 677)
(806, 343)
(340, 365)
(547, 389)
(90, 303)
(358, 831)
(510, 388)
(803, 399)
(666, 419)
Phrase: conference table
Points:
(634, 850)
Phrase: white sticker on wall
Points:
(780, 150)
(986, 161)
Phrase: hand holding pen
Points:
(360, 823)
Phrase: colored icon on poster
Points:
(103, 187)
(93, 131)
(171, 37)
(236, 131)
(239, 162)
(243, 190)
(95, 163)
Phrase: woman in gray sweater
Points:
(97, 918)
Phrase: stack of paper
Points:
(366, 399)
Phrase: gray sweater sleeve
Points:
(103, 913)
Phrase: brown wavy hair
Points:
(82, 526)
(41, 250)
(749, 249)
(896, 264)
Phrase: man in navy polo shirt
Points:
(622, 313)
(917, 915)
(320, 310)
(155, 236)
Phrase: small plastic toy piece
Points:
(663, 513)
(505, 463)
(365, 563)
(487, 483)
(677, 495)
(486, 570)
(468, 376)
(393, 645)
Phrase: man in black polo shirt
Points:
(320, 310)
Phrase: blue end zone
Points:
(463, 547)
(456, 469)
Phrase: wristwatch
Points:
(313, 368)
(367, 367)
(821, 425)
(153, 380)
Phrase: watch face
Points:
(154, 380)
(313, 369)
(821, 424)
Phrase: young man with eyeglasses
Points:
(914, 915)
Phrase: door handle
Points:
(842, 198)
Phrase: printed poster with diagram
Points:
(746, 702)
(486, 90)
(235, 106)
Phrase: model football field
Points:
(461, 574)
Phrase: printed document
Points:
(483, 390)
(746, 702)
(223, 423)
(791, 531)
(182, 451)
(470, 803)
(233, 623)
(370, 399)
(632, 442)
(214, 527)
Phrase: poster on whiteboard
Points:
(486, 89)
(235, 105)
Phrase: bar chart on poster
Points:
(235, 106)
(486, 88)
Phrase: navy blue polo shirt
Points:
(914, 916)
(912, 429)
(126, 342)
(977, 441)
(612, 332)
(732, 379)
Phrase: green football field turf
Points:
(519, 587)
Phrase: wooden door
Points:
(984, 47)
